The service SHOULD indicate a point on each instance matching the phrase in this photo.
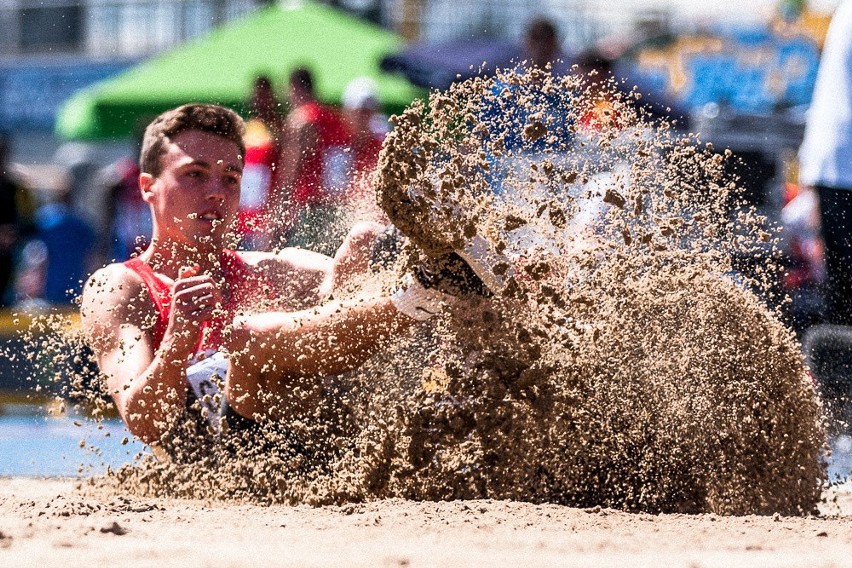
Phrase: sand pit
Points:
(50, 523)
(623, 369)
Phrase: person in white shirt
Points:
(826, 160)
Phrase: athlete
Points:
(189, 307)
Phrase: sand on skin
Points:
(50, 522)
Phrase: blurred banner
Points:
(756, 69)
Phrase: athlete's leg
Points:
(352, 259)
(279, 358)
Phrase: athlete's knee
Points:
(363, 234)
(242, 388)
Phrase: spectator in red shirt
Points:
(367, 127)
(305, 202)
(263, 149)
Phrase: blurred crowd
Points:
(305, 180)
(305, 175)
(46, 247)
(306, 169)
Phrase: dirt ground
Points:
(52, 522)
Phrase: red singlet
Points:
(244, 284)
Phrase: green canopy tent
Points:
(221, 68)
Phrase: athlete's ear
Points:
(145, 183)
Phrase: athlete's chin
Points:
(214, 237)
(216, 240)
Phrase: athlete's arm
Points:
(308, 278)
(300, 277)
(147, 385)
(316, 277)
(269, 349)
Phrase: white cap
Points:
(361, 92)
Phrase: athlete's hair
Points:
(303, 77)
(206, 118)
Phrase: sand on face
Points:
(51, 522)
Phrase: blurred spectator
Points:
(260, 159)
(60, 257)
(128, 217)
(367, 128)
(596, 75)
(263, 148)
(30, 277)
(304, 207)
(805, 273)
(515, 104)
(602, 75)
(265, 106)
(826, 160)
(541, 46)
(11, 221)
(77, 159)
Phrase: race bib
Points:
(206, 378)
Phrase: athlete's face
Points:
(196, 196)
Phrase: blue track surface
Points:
(34, 445)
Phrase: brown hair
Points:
(214, 119)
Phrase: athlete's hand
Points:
(195, 298)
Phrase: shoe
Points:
(436, 283)
(476, 269)
(450, 274)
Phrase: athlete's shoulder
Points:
(113, 284)
(113, 276)
(112, 297)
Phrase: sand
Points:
(625, 364)
(49, 522)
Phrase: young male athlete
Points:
(188, 306)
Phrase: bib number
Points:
(206, 379)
